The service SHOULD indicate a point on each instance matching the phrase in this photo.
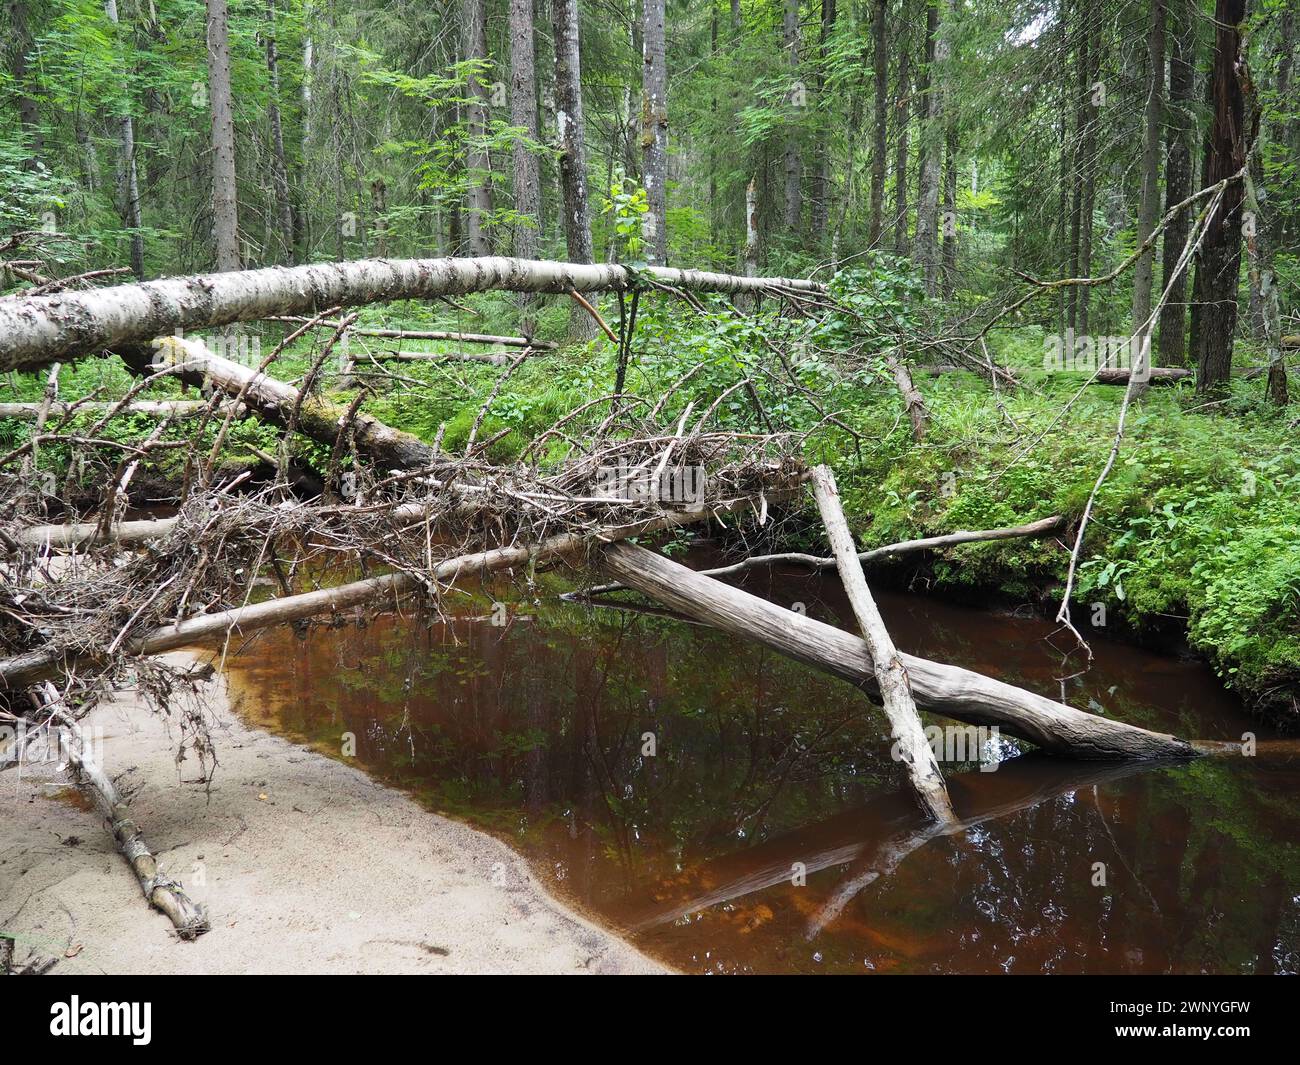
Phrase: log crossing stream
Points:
(732, 811)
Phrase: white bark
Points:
(39, 329)
(891, 677)
(949, 690)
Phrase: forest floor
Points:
(306, 865)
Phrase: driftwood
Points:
(958, 693)
(23, 670)
(891, 678)
(163, 893)
(421, 334)
(37, 330)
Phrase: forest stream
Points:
(730, 811)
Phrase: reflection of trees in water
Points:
(536, 731)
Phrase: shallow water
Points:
(537, 729)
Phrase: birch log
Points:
(942, 689)
(422, 334)
(275, 401)
(895, 690)
(175, 408)
(41, 329)
(163, 893)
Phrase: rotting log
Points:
(913, 750)
(275, 401)
(162, 892)
(1160, 375)
(436, 356)
(31, 667)
(40, 329)
(954, 692)
(421, 334)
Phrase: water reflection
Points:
(736, 812)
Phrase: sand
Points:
(305, 864)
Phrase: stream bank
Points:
(305, 864)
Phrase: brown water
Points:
(762, 768)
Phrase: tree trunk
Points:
(279, 167)
(879, 139)
(279, 403)
(29, 114)
(573, 150)
(925, 249)
(37, 330)
(1215, 288)
(821, 201)
(478, 200)
(225, 199)
(942, 689)
(751, 228)
(949, 275)
(128, 176)
(902, 105)
(1180, 125)
(523, 114)
(654, 130)
(1149, 206)
(790, 38)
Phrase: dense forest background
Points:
(978, 141)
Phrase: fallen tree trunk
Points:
(1160, 375)
(436, 356)
(176, 408)
(163, 893)
(276, 402)
(891, 678)
(949, 690)
(38, 665)
(422, 334)
(40, 329)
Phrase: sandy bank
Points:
(305, 864)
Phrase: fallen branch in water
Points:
(32, 667)
(949, 690)
(891, 677)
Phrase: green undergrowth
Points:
(1196, 526)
